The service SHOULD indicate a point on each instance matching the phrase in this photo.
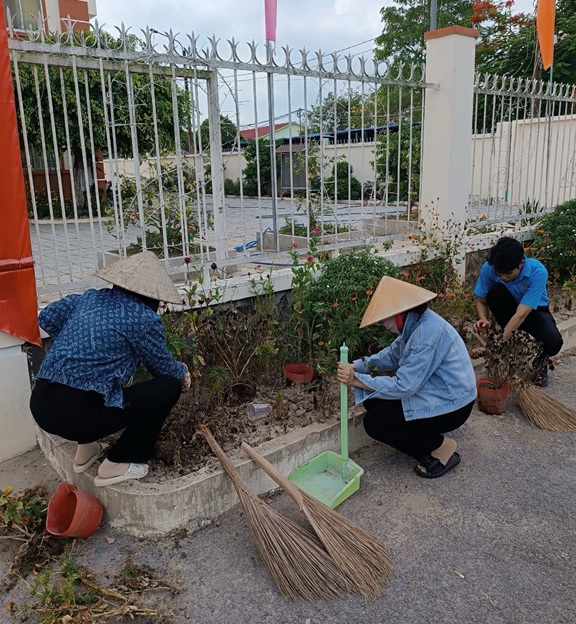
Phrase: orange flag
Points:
(545, 14)
(18, 308)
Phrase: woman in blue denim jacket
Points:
(83, 392)
(432, 385)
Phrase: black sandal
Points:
(434, 468)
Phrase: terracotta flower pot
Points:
(298, 373)
(492, 395)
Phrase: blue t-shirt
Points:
(529, 288)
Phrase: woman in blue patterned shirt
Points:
(82, 391)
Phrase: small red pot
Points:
(298, 373)
(492, 400)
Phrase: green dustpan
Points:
(329, 477)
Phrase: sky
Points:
(326, 25)
(349, 26)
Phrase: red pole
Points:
(18, 306)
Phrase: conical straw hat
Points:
(392, 297)
(142, 274)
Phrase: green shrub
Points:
(231, 187)
(553, 242)
(338, 299)
(342, 183)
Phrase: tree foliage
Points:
(84, 99)
(506, 44)
(349, 110)
(404, 25)
(228, 130)
(258, 164)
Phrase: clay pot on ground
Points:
(298, 373)
(492, 395)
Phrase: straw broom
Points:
(296, 560)
(356, 552)
(540, 408)
(543, 410)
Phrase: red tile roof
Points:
(250, 133)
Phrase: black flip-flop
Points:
(434, 468)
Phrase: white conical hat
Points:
(392, 297)
(142, 273)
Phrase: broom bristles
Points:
(543, 410)
(364, 559)
(296, 560)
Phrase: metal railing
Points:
(142, 145)
(523, 148)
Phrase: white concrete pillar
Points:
(447, 136)
(16, 422)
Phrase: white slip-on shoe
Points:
(135, 471)
(78, 468)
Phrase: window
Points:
(24, 13)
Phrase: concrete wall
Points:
(509, 166)
(16, 423)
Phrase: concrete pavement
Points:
(492, 542)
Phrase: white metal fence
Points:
(148, 134)
(523, 148)
(148, 142)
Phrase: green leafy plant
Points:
(553, 241)
(342, 184)
(23, 512)
(337, 299)
(168, 198)
(441, 246)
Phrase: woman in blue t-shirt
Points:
(513, 288)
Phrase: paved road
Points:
(490, 543)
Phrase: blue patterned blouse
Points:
(100, 337)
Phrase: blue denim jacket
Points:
(434, 373)
(100, 338)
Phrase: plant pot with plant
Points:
(506, 363)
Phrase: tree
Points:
(509, 42)
(89, 105)
(340, 113)
(228, 130)
(506, 43)
(258, 163)
(402, 38)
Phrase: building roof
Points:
(250, 133)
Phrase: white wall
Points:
(510, 165)
(18, 433)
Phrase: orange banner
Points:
(18, 306)
(545, 15)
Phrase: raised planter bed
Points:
(145, 508)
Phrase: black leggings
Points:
(81, 416)
(540, 324)
(384, 421)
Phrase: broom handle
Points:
(273, 472)
(344, 408)
(224, 460)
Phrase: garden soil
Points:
(182, 450)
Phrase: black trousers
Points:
(384, 421)
(81, 416)
(539, 323)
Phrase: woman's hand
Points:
(187, 381)
(346, 374)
